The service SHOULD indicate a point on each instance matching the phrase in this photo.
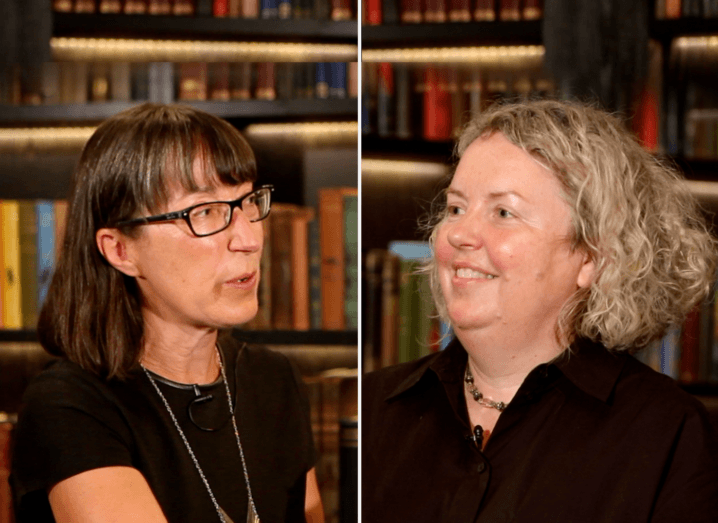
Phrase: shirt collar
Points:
(588, 365)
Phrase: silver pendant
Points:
(252, 517)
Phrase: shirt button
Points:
(481, 467)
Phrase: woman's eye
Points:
(453, 210)
(503, 213)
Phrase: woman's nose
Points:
(466, 232)
(245, 236)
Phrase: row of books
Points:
(399, 317)
(432, 102)
(701, 138)
(673, 9)
(82, 82)
(400, 324)
(30, 241)
(266, 9)
(309, 265)
(377, 12)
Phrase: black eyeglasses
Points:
(209, 218)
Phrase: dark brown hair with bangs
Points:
(92, 315)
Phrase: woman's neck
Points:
(181, 353)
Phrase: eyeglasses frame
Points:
(184, 213)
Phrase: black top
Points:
(594, 437)
(73, 422)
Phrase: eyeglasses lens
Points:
(213, 217)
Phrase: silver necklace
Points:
(478, 397)
(252, 515)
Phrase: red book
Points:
(510, 10)
(673, 9)
(437, 105)
(689, 346)
(373, 12)
(220, 8)
(485, 11)
(435, 11)
(533, 10)
(412, 11)
(5, 495)
(460, 10)
(192, 81)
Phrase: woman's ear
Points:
(117, 249)
(587, 273)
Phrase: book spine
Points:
(284, 9)
(673, 9)
(341, 10)
(27, 222)
(110, 6)
(368, 97)
(120, 81)
(63, 6)
(136, 7)
(322, 9)
(193, 81)
(337, 80)
(241, 81)
(281, 270)
(85, 6)
(689, 347)
(457, 98)
(385, 100)
(373, 12)
(183, 8)
(51, 83)
(390, 12)
(234, 9)
(485, 11)
(161, 82)
(301, 315)
(140, 81)
(437, 105)
(460, 10)
(351, 261)
(269, 9)
(435, 11)
(60, 210)
(45, 248)
(660, 9)
(353, 80)
(6, 512)
(160, 7)
(532, 10)
(266, 89)
(390, 308)
(402, 76)
(100, 82)
(220, 8)
(12, 297)
(371, 310)
(691, 9)
(412, 11)
(321, 83)
(205, 8)
(407, 297)
(219, 81)
(315, 276)
(509, 10)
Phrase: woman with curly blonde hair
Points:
(560, 247)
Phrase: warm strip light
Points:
(403, 168)
(47, 138)
(703, 189)
(307, 131)
(110, 49)
(524, 55)
(689, 42)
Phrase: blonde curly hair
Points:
(630, 212)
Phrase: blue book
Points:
(670, 353)
(269, 9)
(45, 248)
(337, 80)
(321, 83)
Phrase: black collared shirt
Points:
(592, 437)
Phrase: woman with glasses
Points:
(148, 414)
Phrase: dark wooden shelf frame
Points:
(73, 114)
(203, 28)
(667, 30)
(452, 34)
(312, 337)
(377, 146)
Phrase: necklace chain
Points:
(478, 397)
(252, 516)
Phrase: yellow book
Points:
(11, 299)
(28, 263)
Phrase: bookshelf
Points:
(395, 217)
